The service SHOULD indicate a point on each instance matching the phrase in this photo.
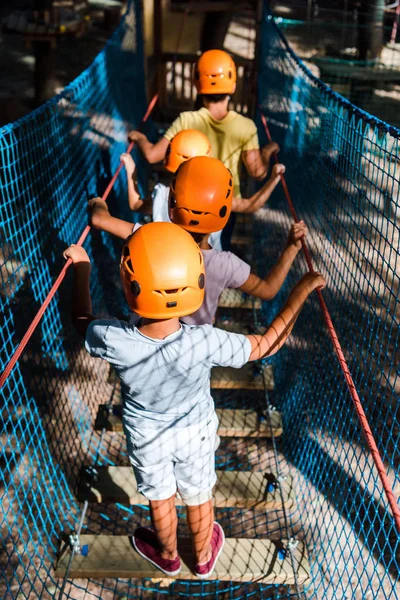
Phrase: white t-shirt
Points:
(165, 382)
(160, 197)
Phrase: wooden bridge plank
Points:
(246, 378)
(234, 489)
(232, 423)
(240, 560)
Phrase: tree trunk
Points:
(370, 29)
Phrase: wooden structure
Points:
(262, 560)
(178, 93)
(234, 489)
(258, 560)
(41, 29)
(173, 74)
(232, 422)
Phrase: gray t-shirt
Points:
(165, 382)
(223, 270)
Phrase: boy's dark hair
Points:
(215, 97)
(198, 237)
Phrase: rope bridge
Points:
(289, 425)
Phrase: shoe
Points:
(146, 544)
(217, 543)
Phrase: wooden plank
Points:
(249, 377)
(245, 423)
(234, 489)
(231, 298)
(232, 423)
(258, 560)
(246, 378)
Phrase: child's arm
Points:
(134, 200)
(279, 330)
(251, 205)
(81, 300)
(153, 153)
(100, 218)
(257, 160)
(267, 288)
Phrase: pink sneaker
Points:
(217, 543)
(146, 544)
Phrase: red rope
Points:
(342, 361)
(57, 283)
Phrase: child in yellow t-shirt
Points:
(233, 137)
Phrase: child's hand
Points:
(129, 163)
(277, 171)
(135, 136)
(314, 281)
(77, 254)
(297, 231)
(96, 205)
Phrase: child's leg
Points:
(201, 521)
(165, 522)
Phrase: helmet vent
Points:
(201, 281)
(171, 291)
(135, 288)
(126, 251)
(193, 222)
(129, 266)
(222, 212)
(172, 304)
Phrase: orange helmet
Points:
(184, 145)
(162, 272)
(215, 73)
(200, 198)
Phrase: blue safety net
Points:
(341, 172)
(343, 176)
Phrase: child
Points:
(164, 366)
(233, 137)
(202, 197)
(184, 145)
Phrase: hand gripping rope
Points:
(342, 361)
(4, 376)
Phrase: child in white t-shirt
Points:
(203, 186)
(185, 145)
(164, 367)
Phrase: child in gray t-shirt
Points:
(196, 180)
(164, 367)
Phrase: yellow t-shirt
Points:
(228, 137)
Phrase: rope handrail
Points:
(341, 358)
(28, 334)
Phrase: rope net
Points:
(341, 173)
(343, 177)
